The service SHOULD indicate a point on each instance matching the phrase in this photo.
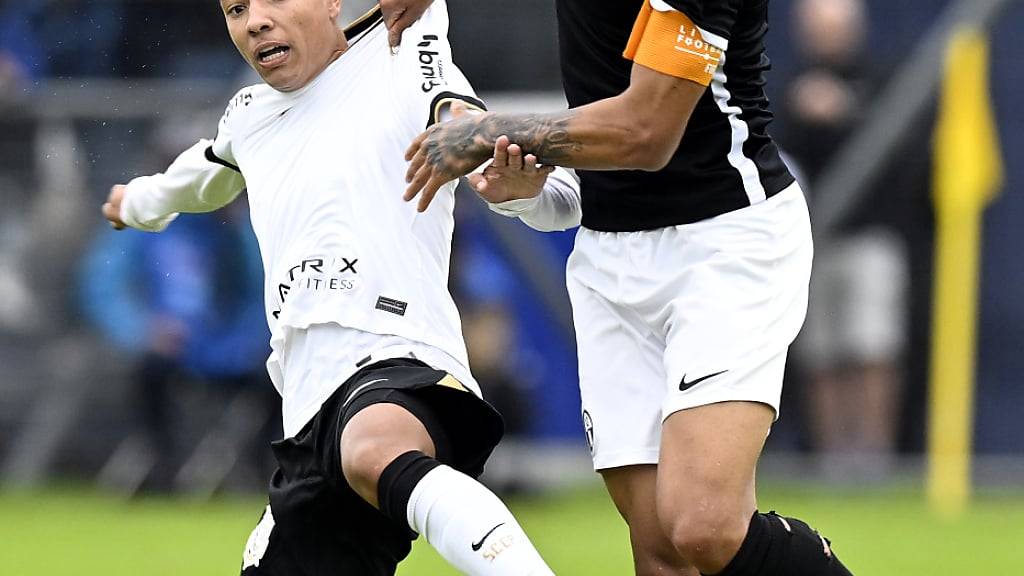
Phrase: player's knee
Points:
(363, 458)
(704, 536)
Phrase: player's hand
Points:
(112, 207)
(446, 151)
(510, 176)
(399, 15)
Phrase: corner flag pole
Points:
(967, 176)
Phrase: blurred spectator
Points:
(187, 303)
(20, 57)
(853, 341)
(18, 51)
(21, 53)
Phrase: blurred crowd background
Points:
(136, 360)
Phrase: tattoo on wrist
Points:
(456, 140)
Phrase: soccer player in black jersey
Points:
(689, 276)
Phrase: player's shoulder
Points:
(247, 102)
(426, 40)
(436, 15)
(429, 70)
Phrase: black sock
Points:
(777, 546)
(396, 484)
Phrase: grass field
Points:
(878, 533)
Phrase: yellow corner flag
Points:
(967, 175)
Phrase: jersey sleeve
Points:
(203, 178)
(220, 151)
(557, 207)
(682, 38)
(427, 80)
(715, 19)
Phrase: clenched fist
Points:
(112, 207)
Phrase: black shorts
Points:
(316, 524)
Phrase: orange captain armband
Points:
(670, 43)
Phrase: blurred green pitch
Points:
(877, 533)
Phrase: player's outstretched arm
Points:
(639, 129)
(400, 14)
(197, 181)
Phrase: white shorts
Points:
(685, 316)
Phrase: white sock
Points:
(470, 527)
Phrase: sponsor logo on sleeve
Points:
(431, 67)
(242, 99)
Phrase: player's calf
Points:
(464, 521)
(778, 546)
(633, 490)
(387, 456)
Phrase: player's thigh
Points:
(621, 377)
(633, 489)
(737, 288)
(706, 473)
(373, 438)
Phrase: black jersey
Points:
(725, 161)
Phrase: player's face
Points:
(288, 42)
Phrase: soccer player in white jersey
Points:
(385, 428)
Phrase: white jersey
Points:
(324, 171)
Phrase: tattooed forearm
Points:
(462, 144)
(547, 136)
(456, 141)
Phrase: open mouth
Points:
(272, 54)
